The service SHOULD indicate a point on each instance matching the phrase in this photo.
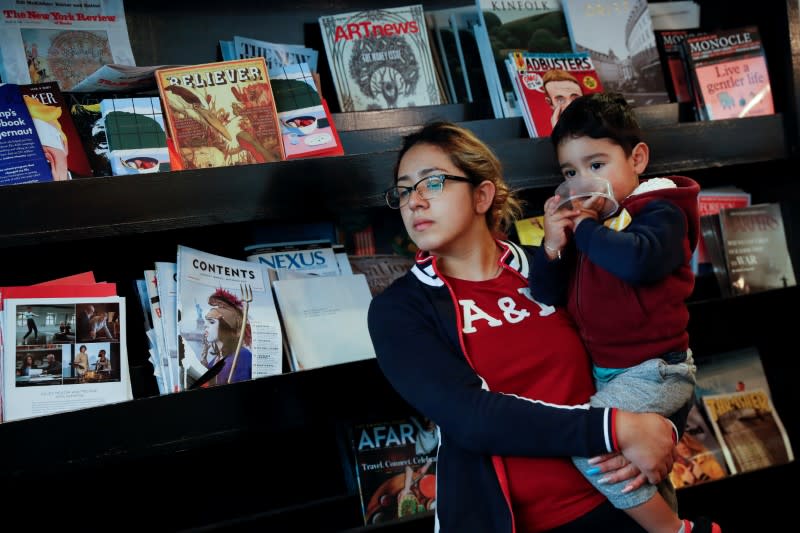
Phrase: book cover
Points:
(619, 37)
(756, 252)
(34, 387)
(137, 140)
(226, 317)
(729, 70)
(61, 41)
(711, 201)
(22, 159)
(307, 129)
(335, 309)
(395, 464)
(380, 58)
(700, 457)
(56, 130)
(537, 27)
(550, 82)
(222, 113)
(749, 429)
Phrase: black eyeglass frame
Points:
(413, 188)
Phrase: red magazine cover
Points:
(56, 130)
(711, 202)
(730, 74)
(550, 82)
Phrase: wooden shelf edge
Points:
(136, 204)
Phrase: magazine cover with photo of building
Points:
(227, 321)
(619, 37)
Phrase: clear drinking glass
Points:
(578, 191)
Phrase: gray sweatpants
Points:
(655, 386)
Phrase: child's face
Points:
(602, 158)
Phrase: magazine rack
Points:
(267, 454)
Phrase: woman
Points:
(506, 379)
(221, 337)
(81, 364)
(27, 364)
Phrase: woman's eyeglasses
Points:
(427, 188)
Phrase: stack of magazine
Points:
(214, 320)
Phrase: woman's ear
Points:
(640, 157)
(484, 196)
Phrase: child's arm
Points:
(646, 251)
(548, 279)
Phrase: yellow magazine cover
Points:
(221, 114)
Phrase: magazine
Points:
(756, 252)
(700, 457)
(380, 58)
(276, 54)
(620, 39)
(538, 27)
(63, 41)
(547, 83)
(307, 129)
(119, 78)
(164, 361)
(728, 70)
(334, 308)
(227, 320)
(57, 130)
(395, 464)
(221, 114)
(296, 259)
(137, 139)
(749, 429)
(22, 158)
(90, 369)
(166, 286)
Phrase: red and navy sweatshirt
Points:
(627, 289)
(416, 330)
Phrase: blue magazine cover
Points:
(22, 159)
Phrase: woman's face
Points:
(443, 223)
(211, 330)
(29, 360)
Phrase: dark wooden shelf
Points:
(126, 205)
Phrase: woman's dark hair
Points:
(473, 157)
(599, 116)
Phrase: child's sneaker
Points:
(701, 525)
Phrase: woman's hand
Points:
(614, 467)
(648, 441)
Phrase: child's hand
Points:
(589, 208)
(558, 224)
